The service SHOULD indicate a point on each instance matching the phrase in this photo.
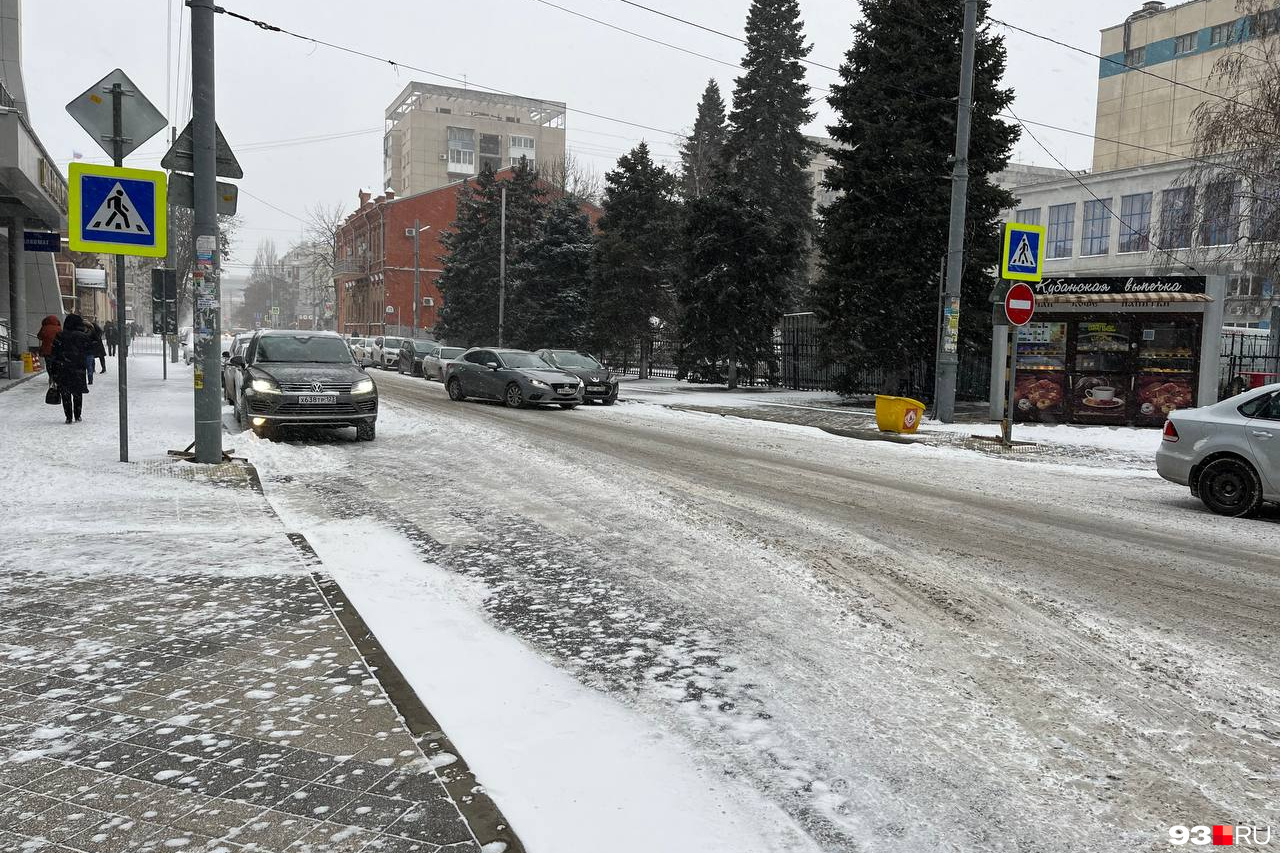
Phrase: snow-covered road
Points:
(860, 646)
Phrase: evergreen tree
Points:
(470, 280)
(766, 147)
(741, 274)
(884, 236)
(635, 265)
(732, 292)
(702, 154)
(549, 303)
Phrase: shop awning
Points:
(1130, 298)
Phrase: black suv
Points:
(286, 378)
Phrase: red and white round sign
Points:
(1020, 304)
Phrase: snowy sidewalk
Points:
(172, 675)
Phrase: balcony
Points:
(351, 267)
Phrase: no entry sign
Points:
(1019, 305)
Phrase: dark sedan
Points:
(515, 377)
(411, 354)
(598, 383)
(287, 378)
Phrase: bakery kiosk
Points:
(1117, 350)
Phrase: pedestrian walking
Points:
(109, 336)
(70, 349)
(49, 329)
(97, 350)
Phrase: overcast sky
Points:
(306, 121)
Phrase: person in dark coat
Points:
(109, 334)
(70, 349)
(49, 329)
(98, 349)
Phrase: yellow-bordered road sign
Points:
(117, 211)
(1022, 255)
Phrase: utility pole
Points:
(417, 295)
(122, 361)
(502, 267)
(949, 361)
(208, 318)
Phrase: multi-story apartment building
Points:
(437, 135)
(1182, 43)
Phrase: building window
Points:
(1265, 221)
(522, 142)
(1177, 213)
(1135, 57)
(1221, 224)
(1219, 34)
(1028, 216)
(1266, 23)
(1062, 229)
(1183, 45)
(1096, 239)
(1245, 286)
(490, 151)
(462, 150)
(1135, 216)
(445, 110)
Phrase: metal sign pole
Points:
(122, 332)
(208, 319)
(1007, 430)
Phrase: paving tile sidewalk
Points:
(171, 675)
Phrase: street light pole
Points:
(502, 267)
(417, 296)
(948, 360)
(122, 361)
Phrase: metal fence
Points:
(1248, 359)
(801, 364)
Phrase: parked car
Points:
(298, 378)
(516, 377)
(433, 362)
(1227, 453)
(230, 374)
(599, 384)
(362, 351)
(385, 352)
(411, 354)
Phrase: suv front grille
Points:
(306, 388)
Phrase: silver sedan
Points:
(1227, 453)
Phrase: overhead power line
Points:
(636, 34)
(1105, 204)
(263, 25)
(1116, 62)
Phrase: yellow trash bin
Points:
(898, 414)
(28, 363)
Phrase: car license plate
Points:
(317, 399)
(595, 387)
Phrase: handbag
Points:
(53, 396)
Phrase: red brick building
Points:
(374, 267)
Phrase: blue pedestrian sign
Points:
(1022, 256)
(117, 211)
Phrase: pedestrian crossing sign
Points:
(117, 211)
(1022, 258)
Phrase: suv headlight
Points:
(265, 386)
(363, 386)
(538, 383)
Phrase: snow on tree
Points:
(470, 277)
(549, 302)
(740, 273)
(635, 265)
(884, 237)
(702, 154)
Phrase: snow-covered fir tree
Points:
(885, 235)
